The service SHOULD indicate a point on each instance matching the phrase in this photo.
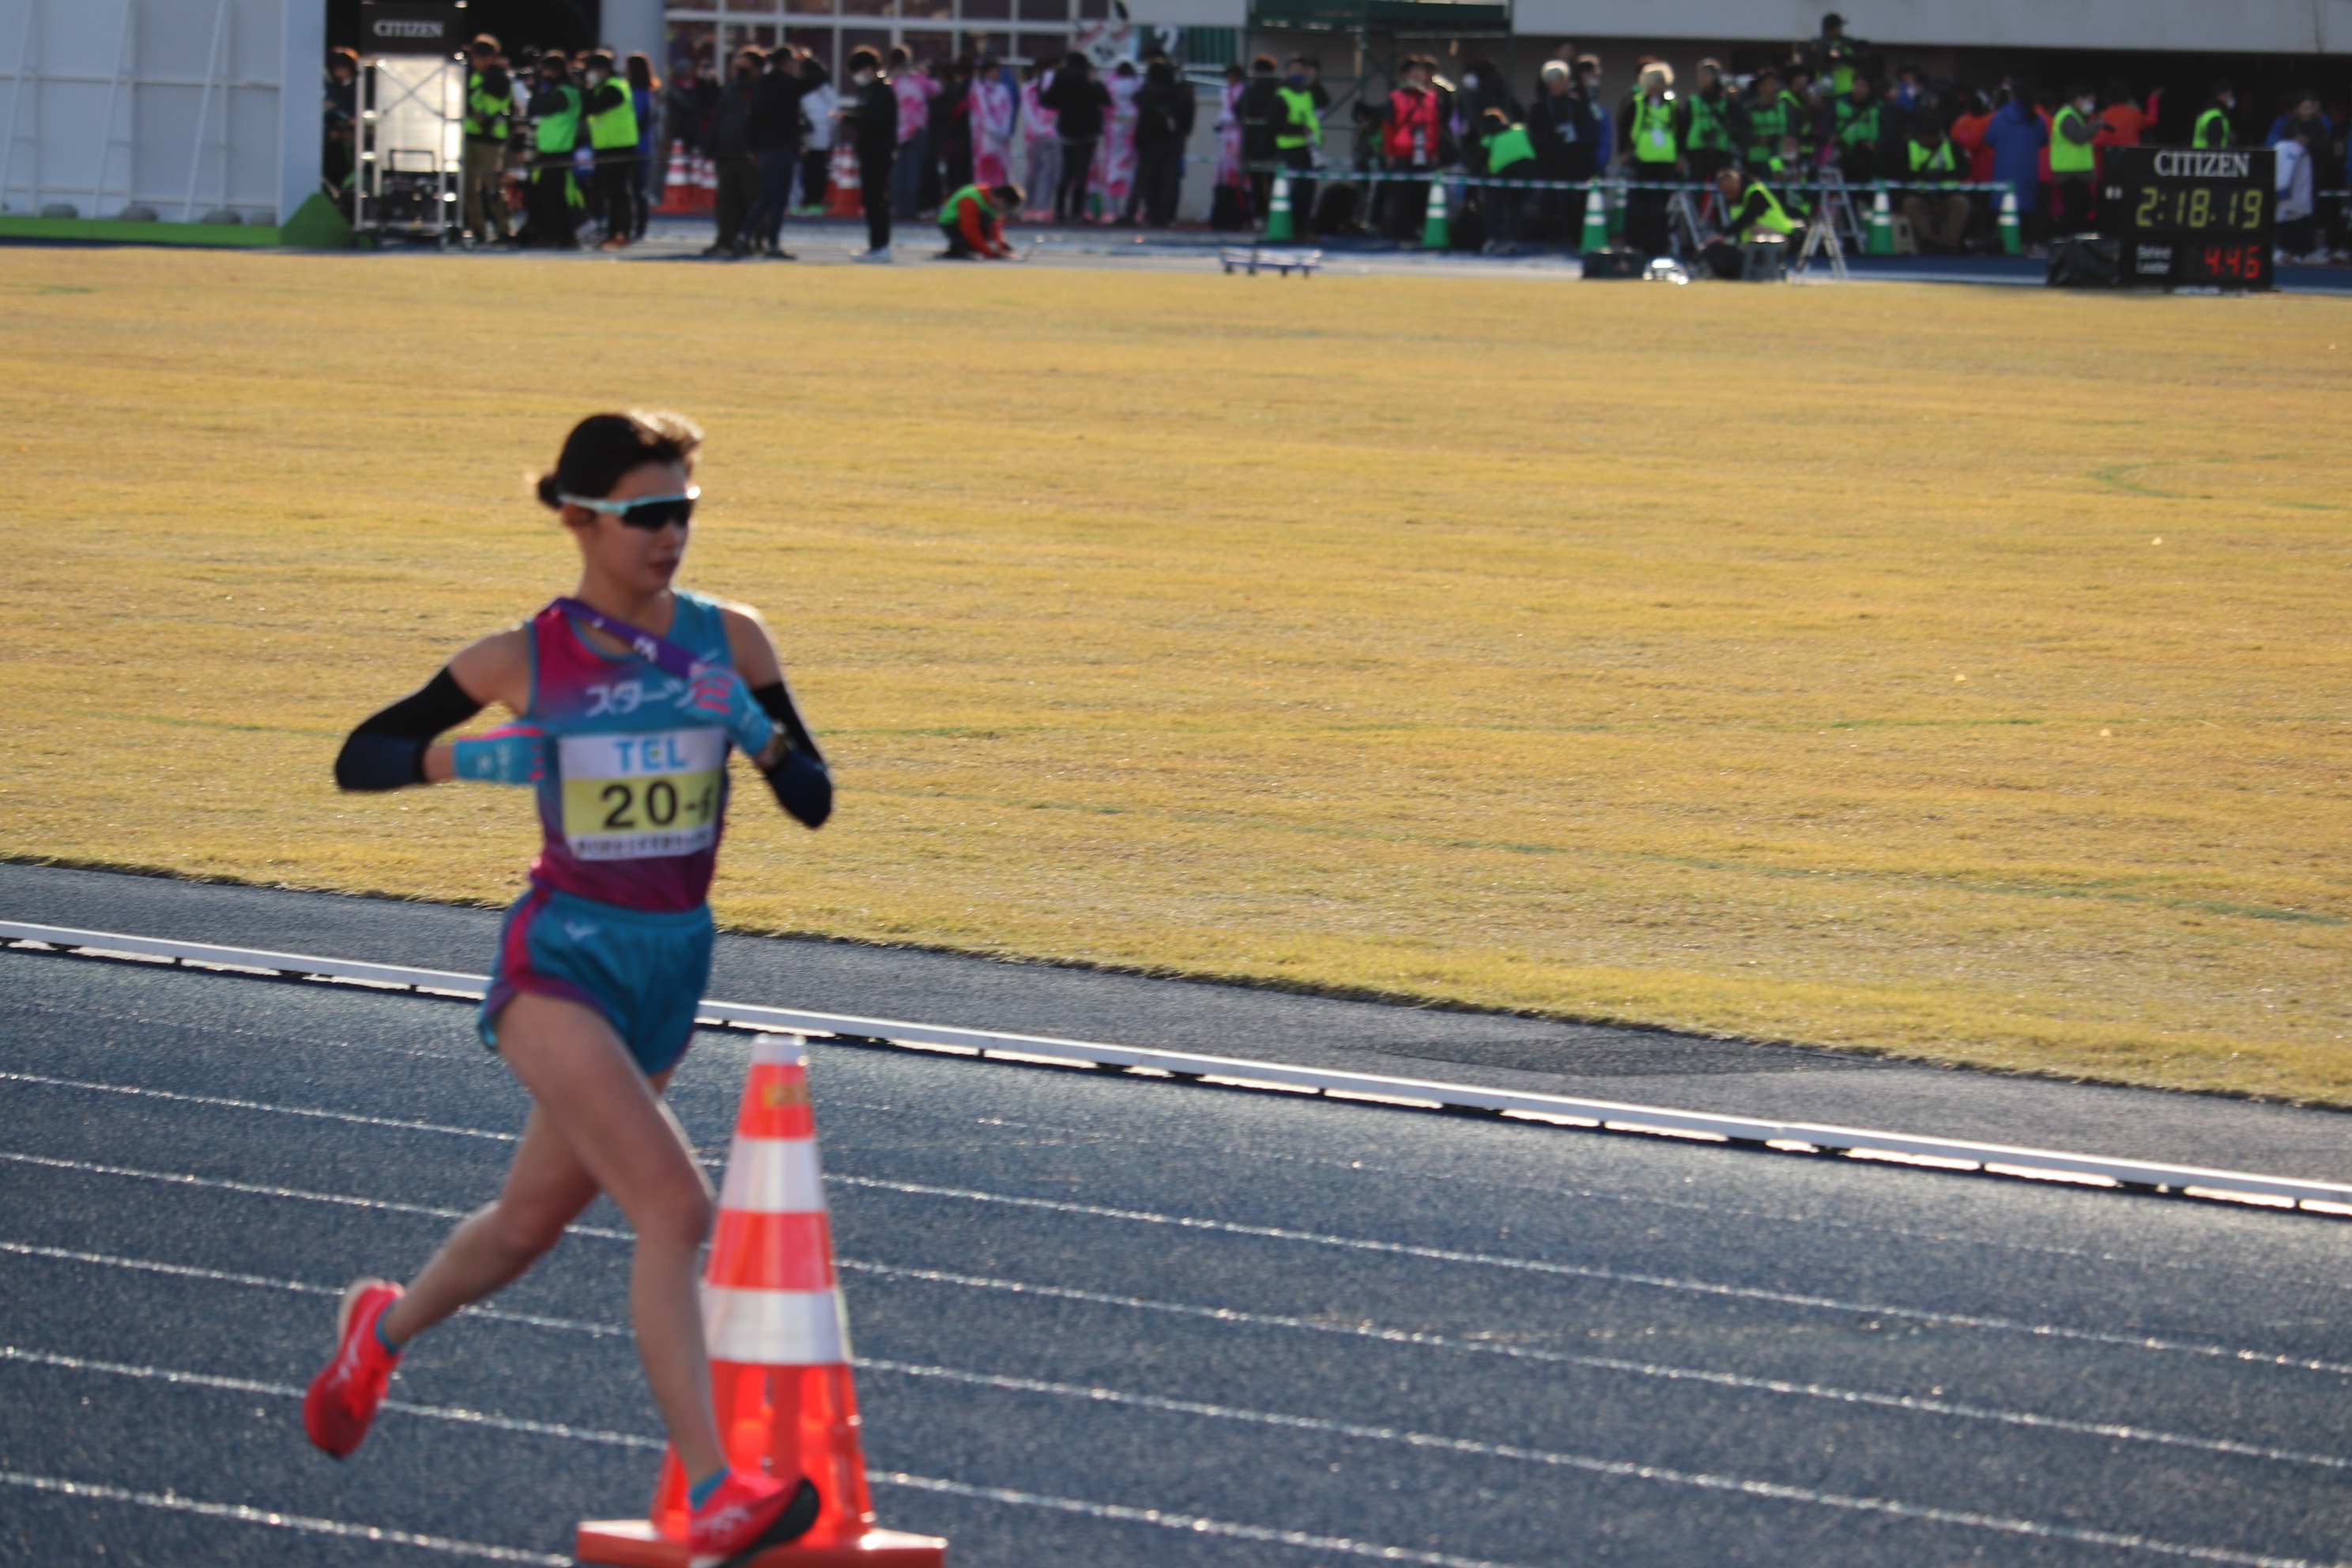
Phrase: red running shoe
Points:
(343, 1397)
(747, 1514)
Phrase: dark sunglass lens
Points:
(656, 515)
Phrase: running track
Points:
(1112, 1322)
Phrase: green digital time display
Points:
(2200, 207)
(2190, 217)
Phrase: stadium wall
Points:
(186, 107)
(2217, 26)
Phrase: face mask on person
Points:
(863, 78)
(1470, 81)
(1296, 79)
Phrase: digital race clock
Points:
(2190, 218)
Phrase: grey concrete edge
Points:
(1920, 1152)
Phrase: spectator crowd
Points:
(583, 145)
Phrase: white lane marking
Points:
(1933, 1237)
(224, 1103)
(1824, 1222)
(1908, 1403)
(1595, 1272)
(225, 1276)
(2151, 1342)
(1191, 1523)
(1611, 1467)
(240, 1513)
(287, 1391)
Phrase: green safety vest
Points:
(1776, 218)
(951, 211)
(1710, 122)
(1841, 53)
(1939, 162)
(486, 117)
(1768, 124)
(1299, 126)
(559, 132)
(1654, 129)
(1509, 146)
(1857, 127)
(2070, 157)
(615, 127)
(2214, 128)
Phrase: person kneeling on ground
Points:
(1749, 209)
(973, 222)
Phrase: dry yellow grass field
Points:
(1955, 672)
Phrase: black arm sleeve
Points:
(802, 784)
(387, 750)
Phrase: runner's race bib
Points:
(630, 797)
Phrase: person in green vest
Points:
(553, 200)
(1774, 119)
(1938, 214)
(1510, 157)
(490, 115)
(1649, 143)
(1835, 56)
(2074, 161)
(2215, 127)
(973, 220)
(1298, 137)
(612, 115)
(1857, 128)
(1749, 208)
(1714, 125)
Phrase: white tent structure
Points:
(188, 108)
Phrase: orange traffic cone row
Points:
(779, 1349)
(683, 194)
(841, 197)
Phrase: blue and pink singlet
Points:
(630, 815)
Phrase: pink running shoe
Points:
(342, 1398)
(747, 1514)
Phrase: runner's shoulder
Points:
(497, 667)
(749, 643)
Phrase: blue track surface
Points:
(1116, 1322)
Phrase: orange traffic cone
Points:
(841, 197)
(682, 194)
(779, 1349)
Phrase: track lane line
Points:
(2157, 1344)
(301, 1523)
(1858, 1398)
(1588, 1464)
(1937, 1238)
(1598, 1195)
(1592, 1271)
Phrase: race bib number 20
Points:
(628, 797)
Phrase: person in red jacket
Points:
(973, 222)
(1412, 140)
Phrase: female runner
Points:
(627, 697)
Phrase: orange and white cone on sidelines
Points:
(843, 197)
(779, 1349)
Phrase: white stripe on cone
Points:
(775, 1328)
(772, 1175)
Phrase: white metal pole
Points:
(203, 113)
(114, 97)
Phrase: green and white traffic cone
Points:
(1279, 227)
(1882, 226)
(1436, 232)
(2012, 239)
(1596, 220)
